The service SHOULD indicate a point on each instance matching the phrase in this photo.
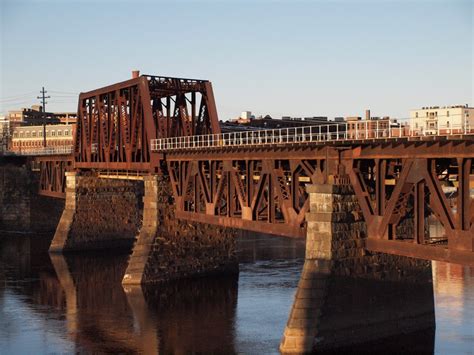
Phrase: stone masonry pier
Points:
(99, 213)
(347, 295)
(167, 248)
(106, 213)
(21, 208)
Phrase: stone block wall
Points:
(21, 208)
(347, 295)
(99, 213)
(168, 248)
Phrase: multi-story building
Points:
(30, 138)
(35, 116)
(442, 120)
(4, 134)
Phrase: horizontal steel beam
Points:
(427, 252)
(279, 229)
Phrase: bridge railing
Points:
(59, 150)
(331, 132)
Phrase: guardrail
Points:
(59, 150)
(332, 132)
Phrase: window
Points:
(447, 123)
(33, 134)
(416, 115)
(60, 133)
(21, 134)
(53, 133)
(66, 133)
(40, 133)
(447, 113)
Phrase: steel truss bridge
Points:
(255, 180)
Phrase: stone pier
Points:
(347, 296)
(21, 208)
(167, 248)
(99, 213)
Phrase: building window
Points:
(60, 133)
(447, 123)
(33, 134)
(66, 133)
(447, 113)
(21, 134)
(53, 133)
(416, 115)
(40, 133)
(27, 134)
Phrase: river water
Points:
(76, 304)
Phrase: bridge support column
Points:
(99, 213)
(144, 245)
(168, 249)
(347, 295)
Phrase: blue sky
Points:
(299, 58)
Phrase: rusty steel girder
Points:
(116, 123)
(52, 179)
(261, 190)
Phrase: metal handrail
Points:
(331, 132)
(59, 150)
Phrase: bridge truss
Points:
(117, 123)
(400, 186)
(402, 177)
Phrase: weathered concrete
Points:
(99, 213)
(21, 208)
(167, 248)
(347, 295)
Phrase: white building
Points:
(442, 120)
(246, 115)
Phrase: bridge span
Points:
(151, 169)
(403, 178)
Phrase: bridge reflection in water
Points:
(84, 294)
(189, 315)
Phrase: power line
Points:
(18, 95)
(63, 92)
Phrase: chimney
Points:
(367, 115)
(135, 74)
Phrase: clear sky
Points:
(298, 58)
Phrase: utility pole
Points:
(43, 99)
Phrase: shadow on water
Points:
(340, 313)
(76, 303)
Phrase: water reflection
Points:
(76, 304)
(179, 317)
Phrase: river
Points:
(76, 304)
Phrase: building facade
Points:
(30, 138)
(4, 134)
(442, 120)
